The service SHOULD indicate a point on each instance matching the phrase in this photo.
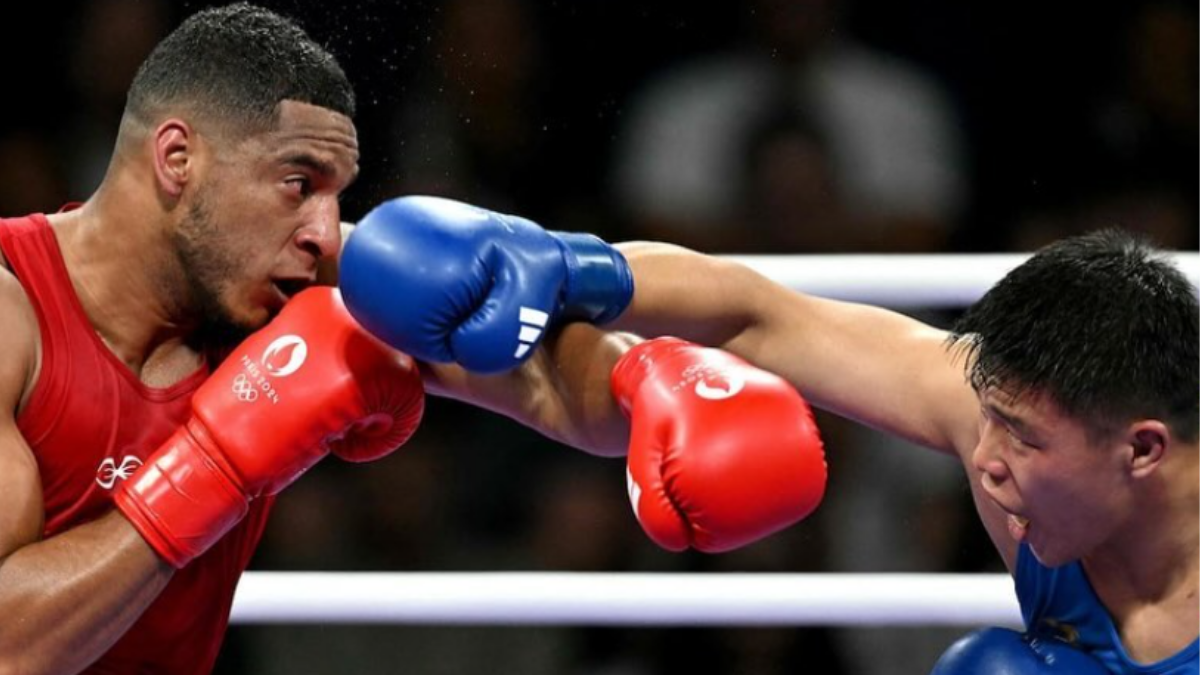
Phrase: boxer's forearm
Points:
(562, 391)
(576, 366)
(69, 598)
(873, 365)
(689, 295)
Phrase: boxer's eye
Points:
(301, 186)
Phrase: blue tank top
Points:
(1060, 601)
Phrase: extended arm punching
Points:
(870, 364)
(455, 283)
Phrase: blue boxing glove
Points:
(450, 282)
(999, 651)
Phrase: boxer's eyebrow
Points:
(309, 162)
(1011, 420)
(317, 165)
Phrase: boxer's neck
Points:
(1148, 579)
(113, 272)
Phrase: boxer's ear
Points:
(1145, 446)
(174, 143)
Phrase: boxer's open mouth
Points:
(290, 287)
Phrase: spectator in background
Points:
(889, 135)
(790, 197)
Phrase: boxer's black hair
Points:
(1102, 324)
(235, 64)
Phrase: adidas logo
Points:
(533, 322)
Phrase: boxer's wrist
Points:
(599, 284)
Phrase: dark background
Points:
(1069, 117)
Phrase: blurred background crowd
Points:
(771, 126)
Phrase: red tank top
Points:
(91, 423)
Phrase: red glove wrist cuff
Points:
(182, 500)
(632, 368)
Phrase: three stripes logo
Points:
(533, 322)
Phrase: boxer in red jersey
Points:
(220, 198)
(146, 329)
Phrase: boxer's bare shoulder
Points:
(20, 489)
(19, 341)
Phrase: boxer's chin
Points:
(251, 313)
(220, 335)
(227, 325)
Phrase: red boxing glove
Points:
(721, 453)
(311, 382)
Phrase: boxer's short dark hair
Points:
(1102, 323)
(235, 65)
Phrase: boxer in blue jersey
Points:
(1069, 393)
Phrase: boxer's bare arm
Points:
(870, 364)
(67, 598)
(876, 366)
(562, 391)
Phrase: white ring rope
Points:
(904, 281)
(528, 598)
(641, 599)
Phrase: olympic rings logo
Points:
(244, 389)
